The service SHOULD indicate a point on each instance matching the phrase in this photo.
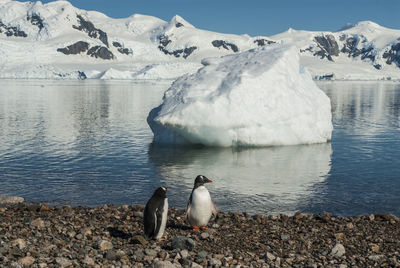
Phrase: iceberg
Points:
(260, 97)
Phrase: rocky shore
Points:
(37, 235)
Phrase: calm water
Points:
(88, 143)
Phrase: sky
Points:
(255, 17)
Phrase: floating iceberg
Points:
(260, 97)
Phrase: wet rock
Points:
(10, 200)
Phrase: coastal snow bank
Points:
(259, 97)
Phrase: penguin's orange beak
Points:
(208, 180)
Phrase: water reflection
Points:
(88, 143)
(269, 180)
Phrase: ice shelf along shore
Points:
(260, 97)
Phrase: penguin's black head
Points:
(161, 192)
(200, 180)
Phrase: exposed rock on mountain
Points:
(11, 30)
(33, 34)
(93, 32)
(224, 44)
(74, 49)
(35, 19)
(121, 49)
(100, 52)
(263, 42)
(185, 52)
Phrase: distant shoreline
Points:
(113, 235)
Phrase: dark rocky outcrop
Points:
(328, 46)
(121, 49)
(35, 19)
(74, 49)
(93, 32)
(263, 42)
(178, 24)
(11, 30)
(164, 40)
(224, 44)
(179, 52)
(393, 55)
(185, 52)
(100, 52)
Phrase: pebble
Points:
(26, 261)
(181, 242)
(104, 245)
(338, 250)
(63, 262)
(112, 236)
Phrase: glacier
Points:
(260, 97)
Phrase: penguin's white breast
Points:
(163, 220)
(201, 205)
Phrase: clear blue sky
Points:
(255, 17)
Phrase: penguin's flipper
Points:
(149, 221)
(214, 209)
(189, 205)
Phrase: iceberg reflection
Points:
(269, 180)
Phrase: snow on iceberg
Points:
(260, 97)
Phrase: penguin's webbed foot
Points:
(203, 227)
(195, 229)
(160, 239)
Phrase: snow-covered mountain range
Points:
(57, 40)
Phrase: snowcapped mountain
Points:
(57, 40)
(365, 51)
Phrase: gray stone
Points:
(63, 262)
(375, 257)
(181, 242)
(20, 243)
(104, 245)
(10, 200)
(338, 250)
(38, 223)
(163, 264)
(150, 252)
(138, 214)
(138, 239)
(26, 261)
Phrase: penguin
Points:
(200, 208)
(155, 214)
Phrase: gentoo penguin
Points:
(155, 214)
(200, 207)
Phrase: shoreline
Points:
(38, 235)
